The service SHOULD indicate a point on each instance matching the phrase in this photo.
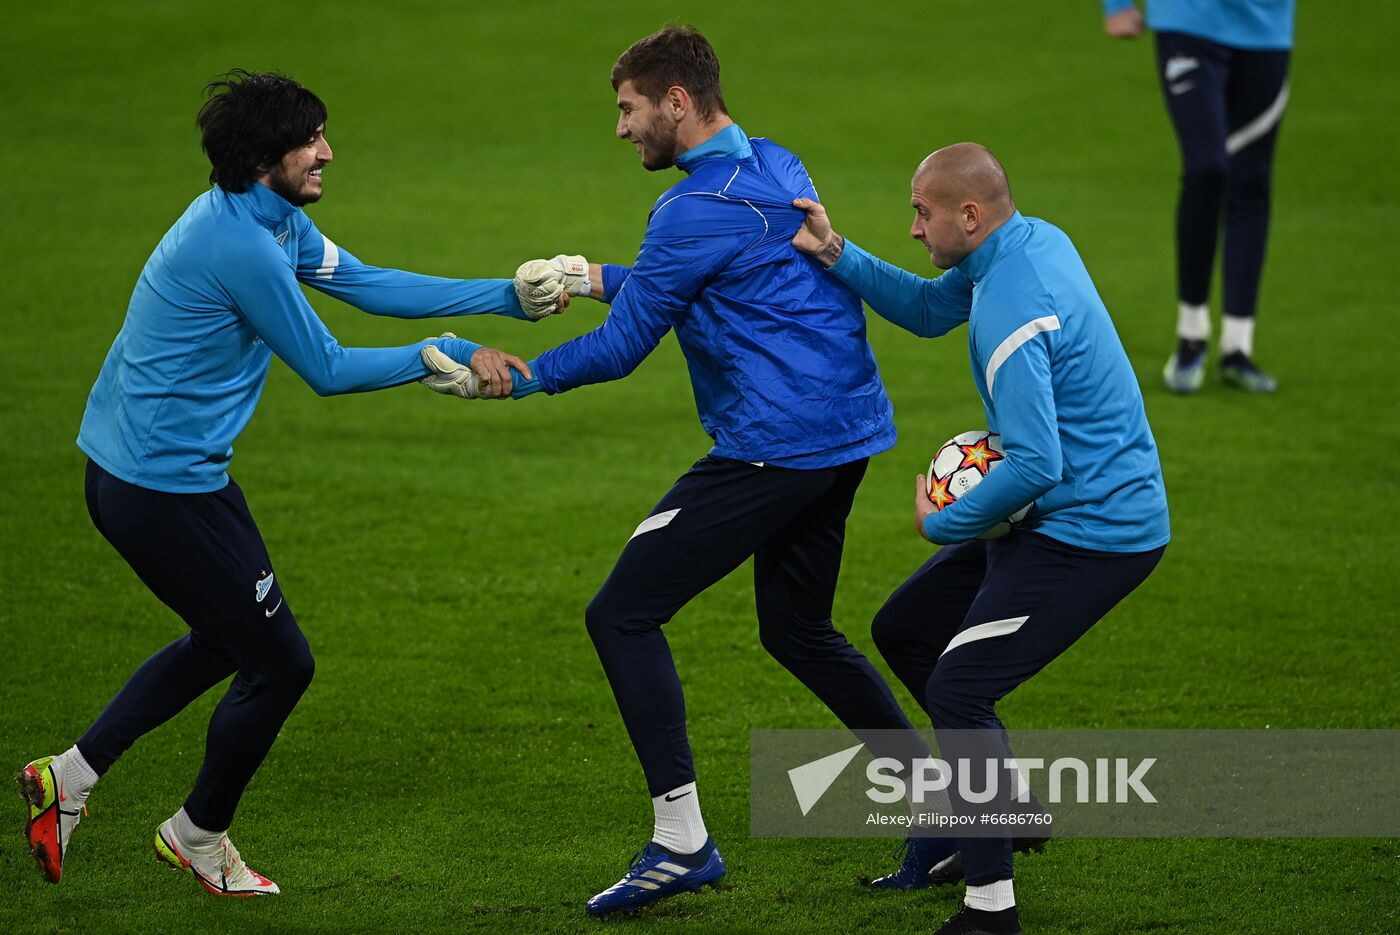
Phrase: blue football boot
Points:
(1186, 368)
(918, 855)
(654, 875)
(1238, 370)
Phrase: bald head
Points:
(960, 196)
(966, 172)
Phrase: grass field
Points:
(458, 763)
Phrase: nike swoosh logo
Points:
(1180, 65)
(672, 798)
(1181, 87)
(269, 613)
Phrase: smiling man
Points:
(217, 299)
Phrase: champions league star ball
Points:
(960, 465)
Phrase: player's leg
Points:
(921, 616)
(203, 556)
(795, 574)
(1257, 93)
(151, 531)
(1192, 72)
(711, 520)
(1039, 597)
(911, 630)
(246, 616)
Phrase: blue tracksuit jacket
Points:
(777, 350)
(1054, 380)
(220, 296)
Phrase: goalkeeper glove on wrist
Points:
(540, 283)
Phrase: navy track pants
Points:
(977, 620)
(715, 516)
(202, 555)
(1226, 105)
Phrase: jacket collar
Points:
(1010, 235)
(731, 143)
(270, 208)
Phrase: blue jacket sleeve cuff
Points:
(459, 349)
(613, 278)
(521, 387)
(931, 532)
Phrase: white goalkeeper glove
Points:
(540, 283)
(450, 377)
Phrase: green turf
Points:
(458, 763)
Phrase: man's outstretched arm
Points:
(265, 292)
(327, 267)
(683, 247)
(540, 285)
(926, 307)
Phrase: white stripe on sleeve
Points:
(1014, 340)
(330, 259)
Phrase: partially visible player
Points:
(1223, 65)
(216, 300)
(981, 617)
(786, 385)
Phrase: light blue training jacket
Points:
(220, 296)
(1242, 24)
(1054, 380)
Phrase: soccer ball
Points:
(960, 465)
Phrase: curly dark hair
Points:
(251, 120)
(675, 55)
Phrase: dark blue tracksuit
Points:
(786, 385)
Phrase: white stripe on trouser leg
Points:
(652, 523)
(1260, 125)
(985, 631)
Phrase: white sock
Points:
(1192, 322)
(191, 836)
(993, 897)
(1237, 334)
(679, 827)
(77, 774)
